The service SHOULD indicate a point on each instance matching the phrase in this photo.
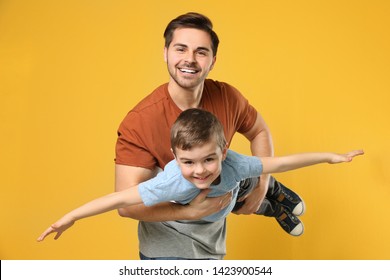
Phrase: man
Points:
(143, 147)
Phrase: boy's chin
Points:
(202, 186)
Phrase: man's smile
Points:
(188, 70)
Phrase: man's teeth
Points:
(188, 71)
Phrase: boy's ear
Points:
(224, 152)
(173, 153)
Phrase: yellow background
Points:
(318, 71)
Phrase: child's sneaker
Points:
(289, 199)
(290, 223)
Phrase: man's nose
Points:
(190, 57)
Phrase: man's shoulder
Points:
(223, 88)
(215, 84)
(154, 99)
(150, 107)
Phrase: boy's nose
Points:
(199, 169)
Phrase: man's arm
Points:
(261, 145)
(127, 176)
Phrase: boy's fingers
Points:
(46, 233)
(353, 154)
(40, 238)
(356, 153)
(57, 235)
(359, 152)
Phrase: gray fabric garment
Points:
(183, 239)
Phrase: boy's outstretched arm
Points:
(100, 205)
(295, 161)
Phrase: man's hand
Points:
(203, 206)
(254, 199)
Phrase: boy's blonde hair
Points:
(196, 127)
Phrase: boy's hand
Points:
(59, 227)
(338, 158)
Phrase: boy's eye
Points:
(188, 162)
(209, 159)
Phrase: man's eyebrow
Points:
(180, 45)
(198, 48)
(203, 49)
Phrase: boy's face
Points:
(189, 57)
(201, 165)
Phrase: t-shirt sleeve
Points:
(130, 147)
(244, 166)
(245, 113)
(168, 185)
(155, 190)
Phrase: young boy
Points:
(202, 161)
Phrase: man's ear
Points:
(165, 54)
(213, 63)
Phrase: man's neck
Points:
(185, 98)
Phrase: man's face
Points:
(201, 165)
(189, 57)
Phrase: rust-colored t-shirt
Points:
(144, 134)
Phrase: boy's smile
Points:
(201, 165)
